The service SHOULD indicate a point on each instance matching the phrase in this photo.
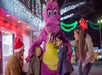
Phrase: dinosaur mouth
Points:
(53, 25)
(52, 28)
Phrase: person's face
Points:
(21, 53)
(58, 42)
(38, 51)
(76, 36)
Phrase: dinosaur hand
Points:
(27, 59)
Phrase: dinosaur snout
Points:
(53, 25)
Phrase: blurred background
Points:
(23, 18)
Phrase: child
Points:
(35, 64)
(64, 66)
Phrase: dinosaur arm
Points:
(36, 43)
(69, 52)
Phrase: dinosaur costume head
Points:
(51, 16)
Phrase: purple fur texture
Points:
(51, 16)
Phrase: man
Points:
(14, 64)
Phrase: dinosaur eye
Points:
(55, 12)
(49, 12)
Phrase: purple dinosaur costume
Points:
(50, 55)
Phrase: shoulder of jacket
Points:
(88, 38)
(63, 45)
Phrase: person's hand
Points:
(31, 73)
(83, 65)
(27, 59)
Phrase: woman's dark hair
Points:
(59, 36)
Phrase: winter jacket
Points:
(34, 66)
(90, 58)
(14, 66)
(64, 66)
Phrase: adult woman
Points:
(84, 51)
(64, 66)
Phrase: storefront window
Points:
(7, 47)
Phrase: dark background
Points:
(91, 11)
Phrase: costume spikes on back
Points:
(51, 16)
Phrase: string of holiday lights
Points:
(71, 7)
(69, 27)
(16, 8)
(93, 25)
